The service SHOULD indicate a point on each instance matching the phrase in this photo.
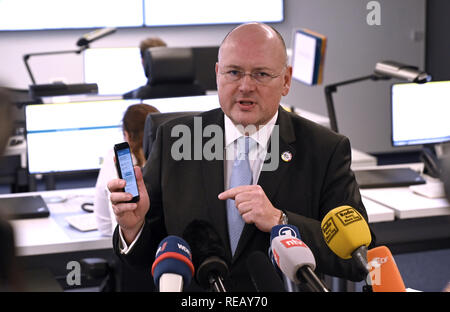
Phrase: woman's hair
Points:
(133, 123)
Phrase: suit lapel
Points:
(274, 169)
(213, 182)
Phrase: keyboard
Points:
(83, 222)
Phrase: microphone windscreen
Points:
(173, 256)
(204, 240)
(263, 274)
(290, 254)
(208, 251)
(345, 230)
(277, 230)
(384, 273)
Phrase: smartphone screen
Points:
(125, 169)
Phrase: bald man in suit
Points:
(300, 170)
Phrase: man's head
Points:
(252, 74)
(150, 43)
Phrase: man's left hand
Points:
(253, 206)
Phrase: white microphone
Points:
(296, 261)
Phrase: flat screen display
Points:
(198, 12)
(72, 136)
(70, 14)
(199, 103)
(114, 70)
(57, 14)
(420, 113)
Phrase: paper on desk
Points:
(407, 204)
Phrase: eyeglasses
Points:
(260, 77)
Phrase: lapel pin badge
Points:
(286, 156)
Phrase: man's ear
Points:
(287, 80)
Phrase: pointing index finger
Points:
(231, 193)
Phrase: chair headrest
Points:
(153, 121)
(167, 65)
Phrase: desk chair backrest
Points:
(152, 123)
(171, 73)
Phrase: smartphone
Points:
(125, 169)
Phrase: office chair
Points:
(152, 122)
(170, 72)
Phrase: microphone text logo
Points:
(184, 249)
(286, 230)
(292, 242)
(348, 216)
(329, 229)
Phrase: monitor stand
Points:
(430, 161)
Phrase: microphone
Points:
(277, 230)
(295, 259)
(95, 35)
(384, 273)
(263, 274)
(347, 234)
(401, 71)
(208, 255)
(172, 268)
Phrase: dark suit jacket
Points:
(316, 180)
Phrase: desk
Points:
(53, 234)
(420, 223)
(404, 202)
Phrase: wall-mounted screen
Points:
(57, 14)
(198, 12)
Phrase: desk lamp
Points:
(58, 89)
(384, 70)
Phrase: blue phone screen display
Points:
(127, 171)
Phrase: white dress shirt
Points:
(257, 155)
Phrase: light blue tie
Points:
(241, 174)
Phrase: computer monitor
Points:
(198, 103)
(201, 12)
(420, 113)
(72, 136)
(115, 70)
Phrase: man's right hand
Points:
(129, 216)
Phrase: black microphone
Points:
(208, 255)
(95, 35)
(263, 274)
